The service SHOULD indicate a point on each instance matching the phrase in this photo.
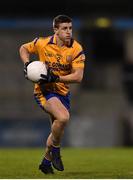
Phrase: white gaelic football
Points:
(35, 69)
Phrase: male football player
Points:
(64, 58)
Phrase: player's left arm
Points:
(76, 76)
(77, 71)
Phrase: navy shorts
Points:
(47, 95)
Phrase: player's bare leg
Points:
(61, 114)
(49, 142)
(45, 165)
(60, 117)
(56, 109)
(48, 147)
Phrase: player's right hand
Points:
(49, 78)
(25, 69)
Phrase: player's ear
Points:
(55, 30)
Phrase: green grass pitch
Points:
(82, 163)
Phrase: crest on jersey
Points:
(69, 58)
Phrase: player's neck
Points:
(61, 43)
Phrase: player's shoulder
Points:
(77, 50)
(76, 44)
(41, 40)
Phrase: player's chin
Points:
(68, 39)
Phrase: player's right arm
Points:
(25, 57)
(24, 54)
(27, 49)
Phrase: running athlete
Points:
(64, 58)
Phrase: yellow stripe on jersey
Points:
(41, 100)
(60, 59)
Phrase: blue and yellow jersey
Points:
(60, 59)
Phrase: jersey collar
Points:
(53, 41)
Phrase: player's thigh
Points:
(56, 109)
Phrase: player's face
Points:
(64, 31)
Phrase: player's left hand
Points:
(49, 78)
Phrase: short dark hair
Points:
(61, 19)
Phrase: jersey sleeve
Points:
(78, 58)
(32, 46)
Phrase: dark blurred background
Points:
(80, 8)
(102, 106)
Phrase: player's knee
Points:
(64, 118)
